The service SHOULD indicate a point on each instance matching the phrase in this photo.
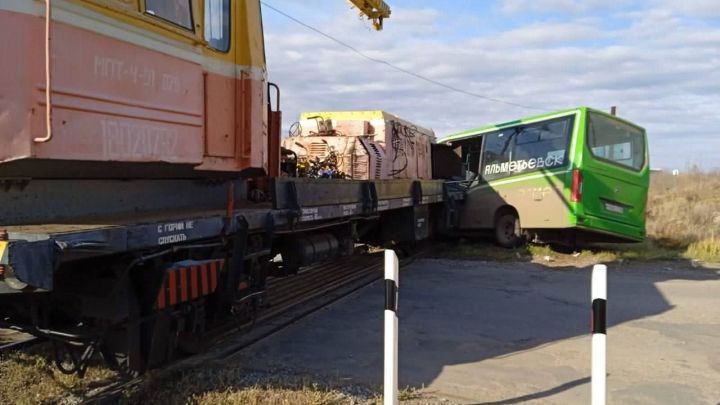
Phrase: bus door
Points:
(614, 175)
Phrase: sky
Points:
(658, 61)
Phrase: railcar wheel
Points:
(119, 362)
(508, 233)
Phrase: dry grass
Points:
(542, 254)
(32, 378)
(707, 249)
(264, 395)
(545, 255)
(235, 384)
(683, 209)
(471, 249)
(231, 383)
(684, 214)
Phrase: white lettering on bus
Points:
(518, 166)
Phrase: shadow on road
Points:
(541, 394)
(455, 312)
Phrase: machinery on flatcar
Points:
(359, 145)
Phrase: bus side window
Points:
(543, 141)
(177, 12)
(473, 161)
(497, 150)
(217, 24)
(470, 153)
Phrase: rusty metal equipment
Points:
(360, 145)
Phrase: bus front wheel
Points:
(507, 230)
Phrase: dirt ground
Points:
(506, 333)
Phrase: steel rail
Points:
(20, 345)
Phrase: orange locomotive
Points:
(132, 88)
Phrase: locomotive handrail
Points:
(48, 88)
(277, 96)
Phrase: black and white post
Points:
(599, 330)
(390, 395)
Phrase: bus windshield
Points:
(526, 148)
(615, 141)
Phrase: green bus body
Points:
(577, 175)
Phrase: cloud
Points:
(546, 34)
(694, 8)
(554, 6)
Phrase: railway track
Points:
(19, 344)
(290, 298)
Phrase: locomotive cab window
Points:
(217, 24)
(178, 12)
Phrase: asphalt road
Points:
(507, 333)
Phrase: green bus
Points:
(571, 177)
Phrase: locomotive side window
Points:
(217, 24)
(178, 12)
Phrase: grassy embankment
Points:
(32, 378)
(684, 214)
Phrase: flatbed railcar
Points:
(139, 286)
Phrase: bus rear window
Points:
(525, 148)
(615, 141)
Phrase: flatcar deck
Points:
(297, 204)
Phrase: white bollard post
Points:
(390, 393)
(599, 330)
